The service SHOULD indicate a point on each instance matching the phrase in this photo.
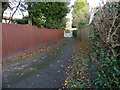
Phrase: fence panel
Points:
(17, 39)
(84, 33)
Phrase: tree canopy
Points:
(48, 14)
(80, 14)
(44, 14)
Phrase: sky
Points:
(69, 15)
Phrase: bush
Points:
(105, 47)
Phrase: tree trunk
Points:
(0, 11)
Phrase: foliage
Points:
(48, 14)
(80, 5)
(80, 14)
(81, 24)
(107, 21)
(106, 64)
(21, 21)
(4, 6)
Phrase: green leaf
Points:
(118, 71)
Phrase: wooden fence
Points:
(17, 39)
(84, 34)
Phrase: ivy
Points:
(105, 63)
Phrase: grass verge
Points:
(77, 76)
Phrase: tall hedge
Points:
(105, 47)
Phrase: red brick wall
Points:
(18, 38)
